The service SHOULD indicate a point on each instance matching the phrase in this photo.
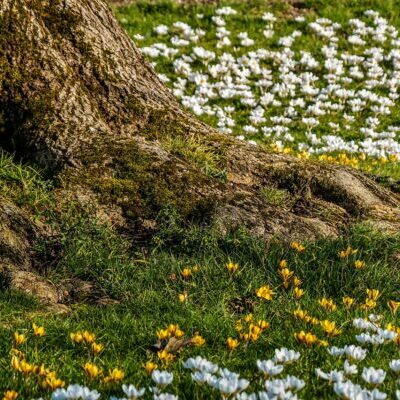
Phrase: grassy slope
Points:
(147, 281)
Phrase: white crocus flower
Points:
(201, 376)
(286, 356)
(162, 378)
(373, 376)
(350, 369)
(355, 353)
(377, 395)
(269, 368)
(75, 392)
(228, 385)
(336, 351)
(332, 376)
(348, 390)
(293, 383)
(395, 366)
(225, 11)
(165, 396)
(161, 30)
(138, 36)
(246, 396)
(200, 364)
(132, 393)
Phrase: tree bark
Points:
(78, 98)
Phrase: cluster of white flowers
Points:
(231, 384)
(75, 392)
(352, 80)
(78, 392)
(373, 377)
(373, 333)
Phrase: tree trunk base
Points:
(78, 98)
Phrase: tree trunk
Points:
(78, 98)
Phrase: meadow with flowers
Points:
(197, 315)
(320, 81)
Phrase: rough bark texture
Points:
(78, 98)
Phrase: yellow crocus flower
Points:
(265, 292)
(232, 267)
(38, 330)
(150, 367)
(306, 338)
(97, 347)
(91, 370)
(348, 301)
(19, 338)
(393, 305)
(10, 395)
(232, 343)
(114, 376)
(198, 340)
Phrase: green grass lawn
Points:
(147, 284)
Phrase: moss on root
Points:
(142, 183)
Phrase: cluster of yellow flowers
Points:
(297, 246)
(305, 317)
(330, 329)
(359, 264)
(265, 292)
(358, 161)
(87, 338)
(249, 330)
(393, 305)
(170, 331)
(289, 278)
(349, 251)
(20, 338)
(174, 332)
(371, 299)
(186, 273)
(342, 159)
(47, 379)
(10, 395)
(150, 366)
(115, 375)
(328, 304)
(309, 339)
(348, 301)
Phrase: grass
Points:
(275, 197)
(146, 282)
(196, 153)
